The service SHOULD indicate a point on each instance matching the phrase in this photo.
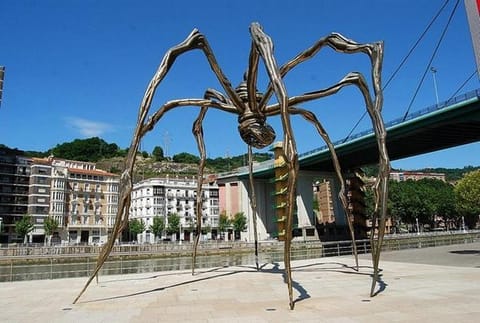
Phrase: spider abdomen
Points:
(255, 131)
(252, 124)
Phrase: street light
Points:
(434, 72)
(2, 75)
(418, 226)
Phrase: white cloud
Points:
(89, 128)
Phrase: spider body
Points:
(252, 125)
(252, 110)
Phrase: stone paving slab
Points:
(326, 290)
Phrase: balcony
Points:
(79, 225)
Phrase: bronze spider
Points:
(253, 109)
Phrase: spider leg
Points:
(252, 74)
(309, 116)
(374, 108)
(338, 43)
(198, 133)
(125, 185)
(253, 202)
(264, 46)
(350, 79)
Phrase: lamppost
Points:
(418, 226)
(434, 72)
(2, 75)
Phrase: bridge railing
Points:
(435, 107)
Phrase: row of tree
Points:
(25, 225)
(137, 226)
(434, 202)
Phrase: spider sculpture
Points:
(252, 110)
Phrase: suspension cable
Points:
(463, 84)
(431, 59)
(432, 21)
(415, 45)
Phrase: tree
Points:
(410, 201)
(206, 229)
(186, 158)
(145, 154)
(91, 149)
(24, 226)
(223, 222)
(158, 226)
(467, 197)
(443, 199)
(136, 226)
(50, 225)
(426, 200)
(173, 224)
(239, 223)
(157, 153)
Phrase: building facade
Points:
(82, 199)
(164, 197)
(401, 176)
(86, 199)
(14, 192)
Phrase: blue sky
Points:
(79, 68)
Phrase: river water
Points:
(64, 268)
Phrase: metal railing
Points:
(165, 257)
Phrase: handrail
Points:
(416, 114)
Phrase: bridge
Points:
(451, 123)
(448, 124)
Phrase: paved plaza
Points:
(439, 284)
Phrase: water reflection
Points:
(65, 268)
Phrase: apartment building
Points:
(401, 176)
(82, 199)
(14, 191)
(323, 195)
(39, 195)
(175, 195)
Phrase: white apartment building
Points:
(82, 199)
(91, 200)
(165, 196)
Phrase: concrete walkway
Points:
(326, 290)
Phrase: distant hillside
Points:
(148, 167)
(110, 157)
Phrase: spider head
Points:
(255, 131)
